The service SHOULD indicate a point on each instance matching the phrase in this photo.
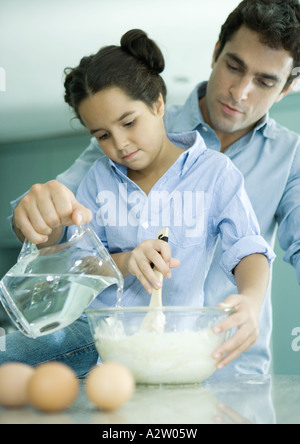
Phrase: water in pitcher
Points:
(46, 303)
(50, 288)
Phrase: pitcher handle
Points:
(27, 249)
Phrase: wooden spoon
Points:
(154, 321)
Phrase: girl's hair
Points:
(135, 67)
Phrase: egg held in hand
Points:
(53, 387)
(109, 386)
(14, 379)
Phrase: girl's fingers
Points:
(47, 207)
(147, 259)
(164, 249)
(36, 236)
(231, 322)
(235, 353)
(150, 274)
(159, 263)
(174, 263)
(136, 271)
(81, 216)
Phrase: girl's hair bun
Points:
(133, 67)
(137, 44)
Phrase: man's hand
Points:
(41, 215)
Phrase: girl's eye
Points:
(103, 137)
(129, 124)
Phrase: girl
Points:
(147, 179)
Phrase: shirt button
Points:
(205, 129)
(145, 225)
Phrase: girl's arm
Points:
(252, 276)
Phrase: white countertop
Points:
(243, 399)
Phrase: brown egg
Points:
(53, 387)
(109, 386)
(14, 378)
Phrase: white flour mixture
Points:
(157, 358)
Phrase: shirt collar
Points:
(266, 126)
(117, 167)
(191, 117)
(193, 144)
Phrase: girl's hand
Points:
(138, 262)
(246, 320)
(252, 277)
(45, 209)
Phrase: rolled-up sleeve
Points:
(245, 247)
(236, 223)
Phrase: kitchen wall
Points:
(39, 39)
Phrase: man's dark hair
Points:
(276, 21)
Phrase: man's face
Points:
(247, 79)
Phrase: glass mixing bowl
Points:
(179, 354)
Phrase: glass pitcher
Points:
(50, 288)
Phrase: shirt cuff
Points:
(243, 248)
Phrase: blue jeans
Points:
(73, 346)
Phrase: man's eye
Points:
(264, 84)
(232, 68)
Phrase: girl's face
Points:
(128, 131)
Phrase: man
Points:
(253, 64)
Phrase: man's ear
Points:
(215, 55)
(287, 90)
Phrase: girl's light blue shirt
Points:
(200, 198)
